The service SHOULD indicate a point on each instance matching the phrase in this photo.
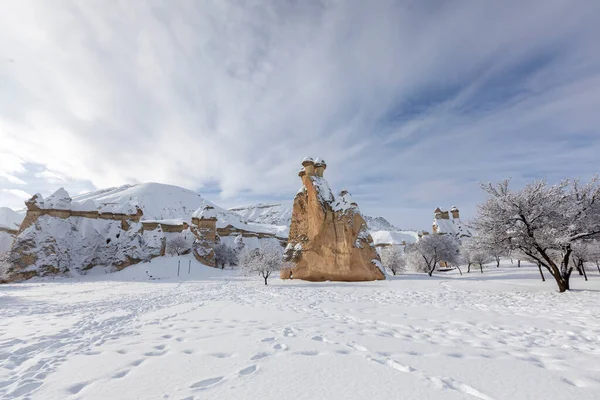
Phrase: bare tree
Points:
(480, 258)
(466, 254)
(541, 221)
(432, 249)
(177, 246)
(595, 253)
(582, 253)
(262, 261)
(393, 258)
(496, 254)
(224, 254)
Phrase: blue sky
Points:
(412, 103)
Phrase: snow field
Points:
(212, 334)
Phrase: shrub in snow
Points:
(393, 258)
(430, 250)
(541, 221)
(262, 261)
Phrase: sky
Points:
(411, 103)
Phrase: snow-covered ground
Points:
(211, 334)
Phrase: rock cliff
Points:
(329, 238)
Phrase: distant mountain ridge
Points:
(272, 214)
(168, 202)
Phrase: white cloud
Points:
(399, 97)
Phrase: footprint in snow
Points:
(269, 339)
(280, 346)
(120, 374)
(259, 356)
(308, 353)
(357, 346)
(221, 355)
(206, 383)
(248, 370)
(289, 332)
(76, 388)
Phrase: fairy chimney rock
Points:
(309, 166)
(454, 212)
(205, 220)
(320, 166)
(329, 238)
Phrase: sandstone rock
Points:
(329, 239)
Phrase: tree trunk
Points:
(519, 263)
(469, 268)
(563, 282)
(598, 266)
(266, 276)
(457, 267)
(541, 273)
(578, 266)
(497, 262)
(481, 268)
(583, 269)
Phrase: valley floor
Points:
(503, 334)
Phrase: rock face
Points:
(329, 238)
(59, 236)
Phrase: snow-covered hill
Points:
(158, 201)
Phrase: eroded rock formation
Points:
(329, 238)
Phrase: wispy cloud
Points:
(412, 103)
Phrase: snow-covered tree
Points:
(393, 258)
(177, 246)
(238, 244)
(265, 260)
(430, 250)
(224, 254)
(467, 253)
(541, 221)
(480, 258)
